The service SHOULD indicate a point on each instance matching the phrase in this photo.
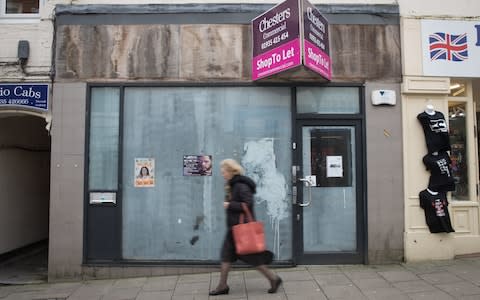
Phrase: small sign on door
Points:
(334, 166)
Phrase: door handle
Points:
(309, 182)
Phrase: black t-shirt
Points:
(436, 131)
(441, 178)
(436, 211)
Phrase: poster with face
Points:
(197, 165)
(144, 172)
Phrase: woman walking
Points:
(240, 189)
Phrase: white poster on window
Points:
(334, 166)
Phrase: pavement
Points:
(436, 280)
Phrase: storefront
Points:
(145, 92)
(441, 68)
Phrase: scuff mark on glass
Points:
(193, 240)
(198, 221)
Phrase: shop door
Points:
(328, 184)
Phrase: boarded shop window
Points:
(181, 216)
(331, 100)
(21, 7)
(104, 137)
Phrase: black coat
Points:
(242, 189)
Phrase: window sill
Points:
(19, 19)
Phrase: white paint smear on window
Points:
(260, 164)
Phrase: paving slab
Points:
(385, 293)
(459, 289)
(166, 283)
(414, 286)
(430, 295)
(163, 295)
(400, 275)
(362, 274)
(122, 294)
(191, 288)
(332, 279)
(343, 291)
(371, 283)
(440, 278)
(300, 287)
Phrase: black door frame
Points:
(357, 120)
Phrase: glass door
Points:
(329, 207)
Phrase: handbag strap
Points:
(247, 212)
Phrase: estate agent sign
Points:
(288, 35)
(451, 48)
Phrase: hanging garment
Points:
(441, 178)
(435, 206)
(436, 131)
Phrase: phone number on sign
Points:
(14, 101)
(275, 40)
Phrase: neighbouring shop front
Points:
(172, 87)
(445, 81)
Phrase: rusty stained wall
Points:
(211, 53)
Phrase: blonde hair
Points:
(232, 166)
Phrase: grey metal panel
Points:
(215, 8)
(212, 14)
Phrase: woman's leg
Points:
(266, 272)
(275, 281)
(222, 287)
(224, 269)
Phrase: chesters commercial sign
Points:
(288, 35)
(451, 48)
(34, 96)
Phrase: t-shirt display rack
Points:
(433, 199)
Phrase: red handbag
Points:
(249, 237)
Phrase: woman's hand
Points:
(226, 204)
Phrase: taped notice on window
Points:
(334, 166)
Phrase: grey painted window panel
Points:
(104, 138)
(182, 217)
(328, 100)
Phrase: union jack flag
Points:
(448, 46)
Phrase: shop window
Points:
(104, 139)
(19, 8)
(179, 214)
(458, 155)
(328, 100)
(458, 89)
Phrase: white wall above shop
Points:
(436, 9)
